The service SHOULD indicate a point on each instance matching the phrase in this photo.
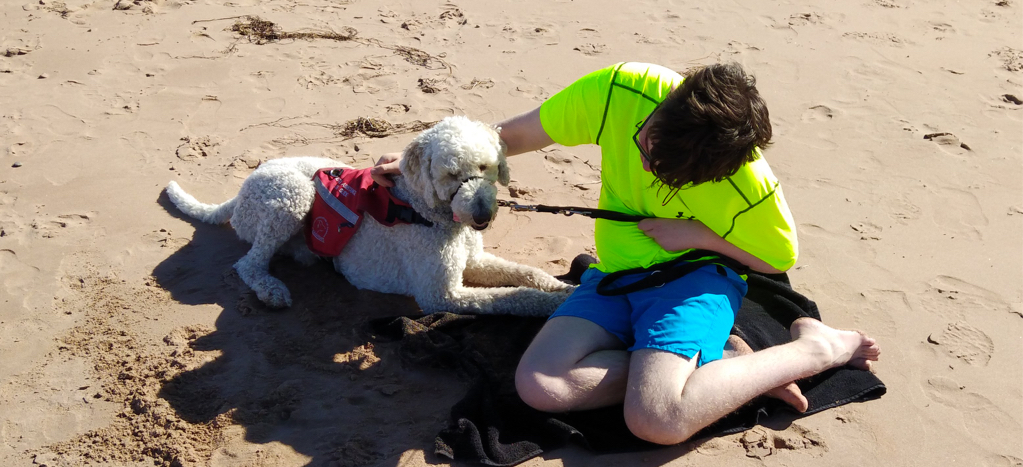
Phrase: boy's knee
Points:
(540, 391)
(655, 426)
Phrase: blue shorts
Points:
(691, 314)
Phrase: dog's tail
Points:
(208, 213)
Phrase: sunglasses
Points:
(672, 191)
(639, 129)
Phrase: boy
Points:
(685, 151)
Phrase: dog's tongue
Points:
(456, 218)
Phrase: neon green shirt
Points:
(606, 108)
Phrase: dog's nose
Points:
(480, 219)
(480, 226)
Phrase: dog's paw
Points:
(276, 297)
(556, 286)
(565, 288)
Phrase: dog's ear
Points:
(415, 167)
(503, 174)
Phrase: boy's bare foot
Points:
(787, 393)
(835, 347)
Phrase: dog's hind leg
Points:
(254, 270)
(296, 247)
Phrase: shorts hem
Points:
(687, 353)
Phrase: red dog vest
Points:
(343, 197)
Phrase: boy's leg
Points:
(787, 393)
(572, 364)
(668, 399)
(578, 360)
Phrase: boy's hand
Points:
(386, 165)
(676, 234)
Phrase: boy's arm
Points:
(524, 133)
(683, 234)
(521, 133)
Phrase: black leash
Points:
(570, 210)
(659, 274)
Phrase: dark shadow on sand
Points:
(313, 376)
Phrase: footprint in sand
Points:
(760, 443)
(13, 270)
(545, 33)
(877, 38)
(453, 14)
(524, 88)
(947, 139)
(803, 19)
(145, 6)
(887, 4)
(738, 48)
(588, 33)
(958, 212)
(198, 147)
(526, 193)
(818, 113)
(823, 238)
(398, 109)
(477, 83)
(56, 121)
(165, 239)
(571, 169)
(867, 230)
(204, 115)
(20, 149)
(943, 28)
(15, 52)
(319, 79)
(972, 414)
(955, 299)
(1005, 102)
(591, 49)
(273, 105)
(1001, 460)
(18, 50)
(55, 226)
(964, 342)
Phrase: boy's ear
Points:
(415, 167)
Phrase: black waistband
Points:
(662, 273)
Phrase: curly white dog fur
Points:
(449, 177)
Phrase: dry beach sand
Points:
(126, 339)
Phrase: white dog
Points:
(449, 176)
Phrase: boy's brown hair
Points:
(708, 127)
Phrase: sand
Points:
(126, 339)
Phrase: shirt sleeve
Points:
(573, 116)
(767, 231)
(748, 209)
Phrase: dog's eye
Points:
(483, 168)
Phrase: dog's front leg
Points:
(489, 270)
(520, 301)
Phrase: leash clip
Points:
(516, 206)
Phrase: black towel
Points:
(492, 426)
